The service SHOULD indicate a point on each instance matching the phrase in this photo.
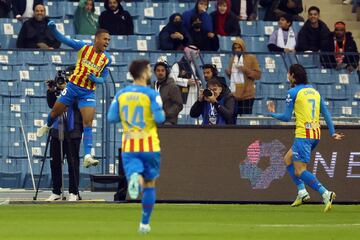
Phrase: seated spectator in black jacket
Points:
(169, 92)
(24, 9)
(115, 19)
(200, 38)
(225, 22)
(5, 6)
(283, 39)
(314, 35)
(216, 105)
(243, 12)
(35, 33)
(277, 8)
(342, 43)
(174, 35)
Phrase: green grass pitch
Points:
(175, 221)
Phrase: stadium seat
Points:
(8, 57)
(251, 28)
(119, 43)
(142, 43)
(66, 27)
(226, 43)
(9, 26)
(143, 27)
(149, 10)
(157, 25)
(270, 76)
(256, 44)
(33, 58)
(273, 91)
(340, 108)
(70, 8)
(273, 62)
(308, 60)
(131, 8)
(8, 41)
(60, 57)
(55, 9)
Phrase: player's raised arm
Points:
(286, 116)
(327, 116)
(113, 113)
(157, 110)
(77, 45)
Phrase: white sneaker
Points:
(328, 198)
(144, 228)
(42, 131)
(53, 197)
(73, 197)
(90, 161)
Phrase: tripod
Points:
(61, 140)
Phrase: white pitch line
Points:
(309, 225)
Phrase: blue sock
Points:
(50, 121)
(148, 201)
(87, 140)
(312, 182)
(298, 182)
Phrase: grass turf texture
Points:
(120, 221)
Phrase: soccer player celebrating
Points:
(139, 108)
(307, 104)
(91, 69)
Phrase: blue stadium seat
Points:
(33, 57)
(161, 56)
(251, 28)
(55, 9)
(142, 43)
(297, 26)
(273, 91)
(226, 43)
(33, 88)
(31, 73)
(272, 61)
(150, 10)
(66, 27)
(131, 8)
(340, 108)
(320, 76)
(256, 44)
(8, 41)
(308, 60)
(7, 74)
(268, 27)
(270, 76)
(60, 57)
(119, 43)
(143, 27)
(9, 58)
(157, 25)
(70, 8)
(9, 26)
(175, 7)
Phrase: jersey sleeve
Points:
(75, 44)
(113, 113)
(325, 112)
(290, 101)
(157, 107)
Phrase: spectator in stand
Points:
(200, 9)
(24, 9)
(186, 77)
(85, 19)
(115, 19)
(243, 70)
(202, 39)
(314, 35)
(215, 104)
(174, 35)
(5, 6)
(342, 43)
(210, 72)
(35, 33)
(225, 22)
(284, 38)
(169, 92)
(244, 9)
(275, 9)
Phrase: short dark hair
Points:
(299, 72)
(137, 67)
(100, 31)
(214, 81)
(314, 8)
(212, 67)
(288, 18)
(34, 6)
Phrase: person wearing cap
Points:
(243, 70)
(284, 38)
(186, 77)
(169, 92)
(341, 43)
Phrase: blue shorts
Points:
(302, 148)
(145, 163)
(85, 97)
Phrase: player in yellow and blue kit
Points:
(307, 104)
(91, 69)
(139, 108)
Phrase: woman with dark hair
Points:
(115, 19)
(200, 9)
(225, 22)
(85, 19)
(174, 35)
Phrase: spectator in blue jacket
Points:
(174, 35)
(200, 9)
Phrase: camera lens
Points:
(207, 93)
